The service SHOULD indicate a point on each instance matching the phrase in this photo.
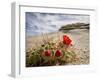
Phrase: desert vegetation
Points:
(68, 46)
(52, 53)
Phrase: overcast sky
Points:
(37, 23)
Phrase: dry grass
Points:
(80, 42)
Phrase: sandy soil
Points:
(80, 38)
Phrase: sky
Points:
(39, 23)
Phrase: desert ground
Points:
(79, 37)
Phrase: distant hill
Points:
(75, 26)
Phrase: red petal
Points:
(66, 40)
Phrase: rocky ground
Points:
(80, 40)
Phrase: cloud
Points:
(37, 23)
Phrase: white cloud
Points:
(38, 23)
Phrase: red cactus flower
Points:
(47, 53)
(67, 40)
(58, 53)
